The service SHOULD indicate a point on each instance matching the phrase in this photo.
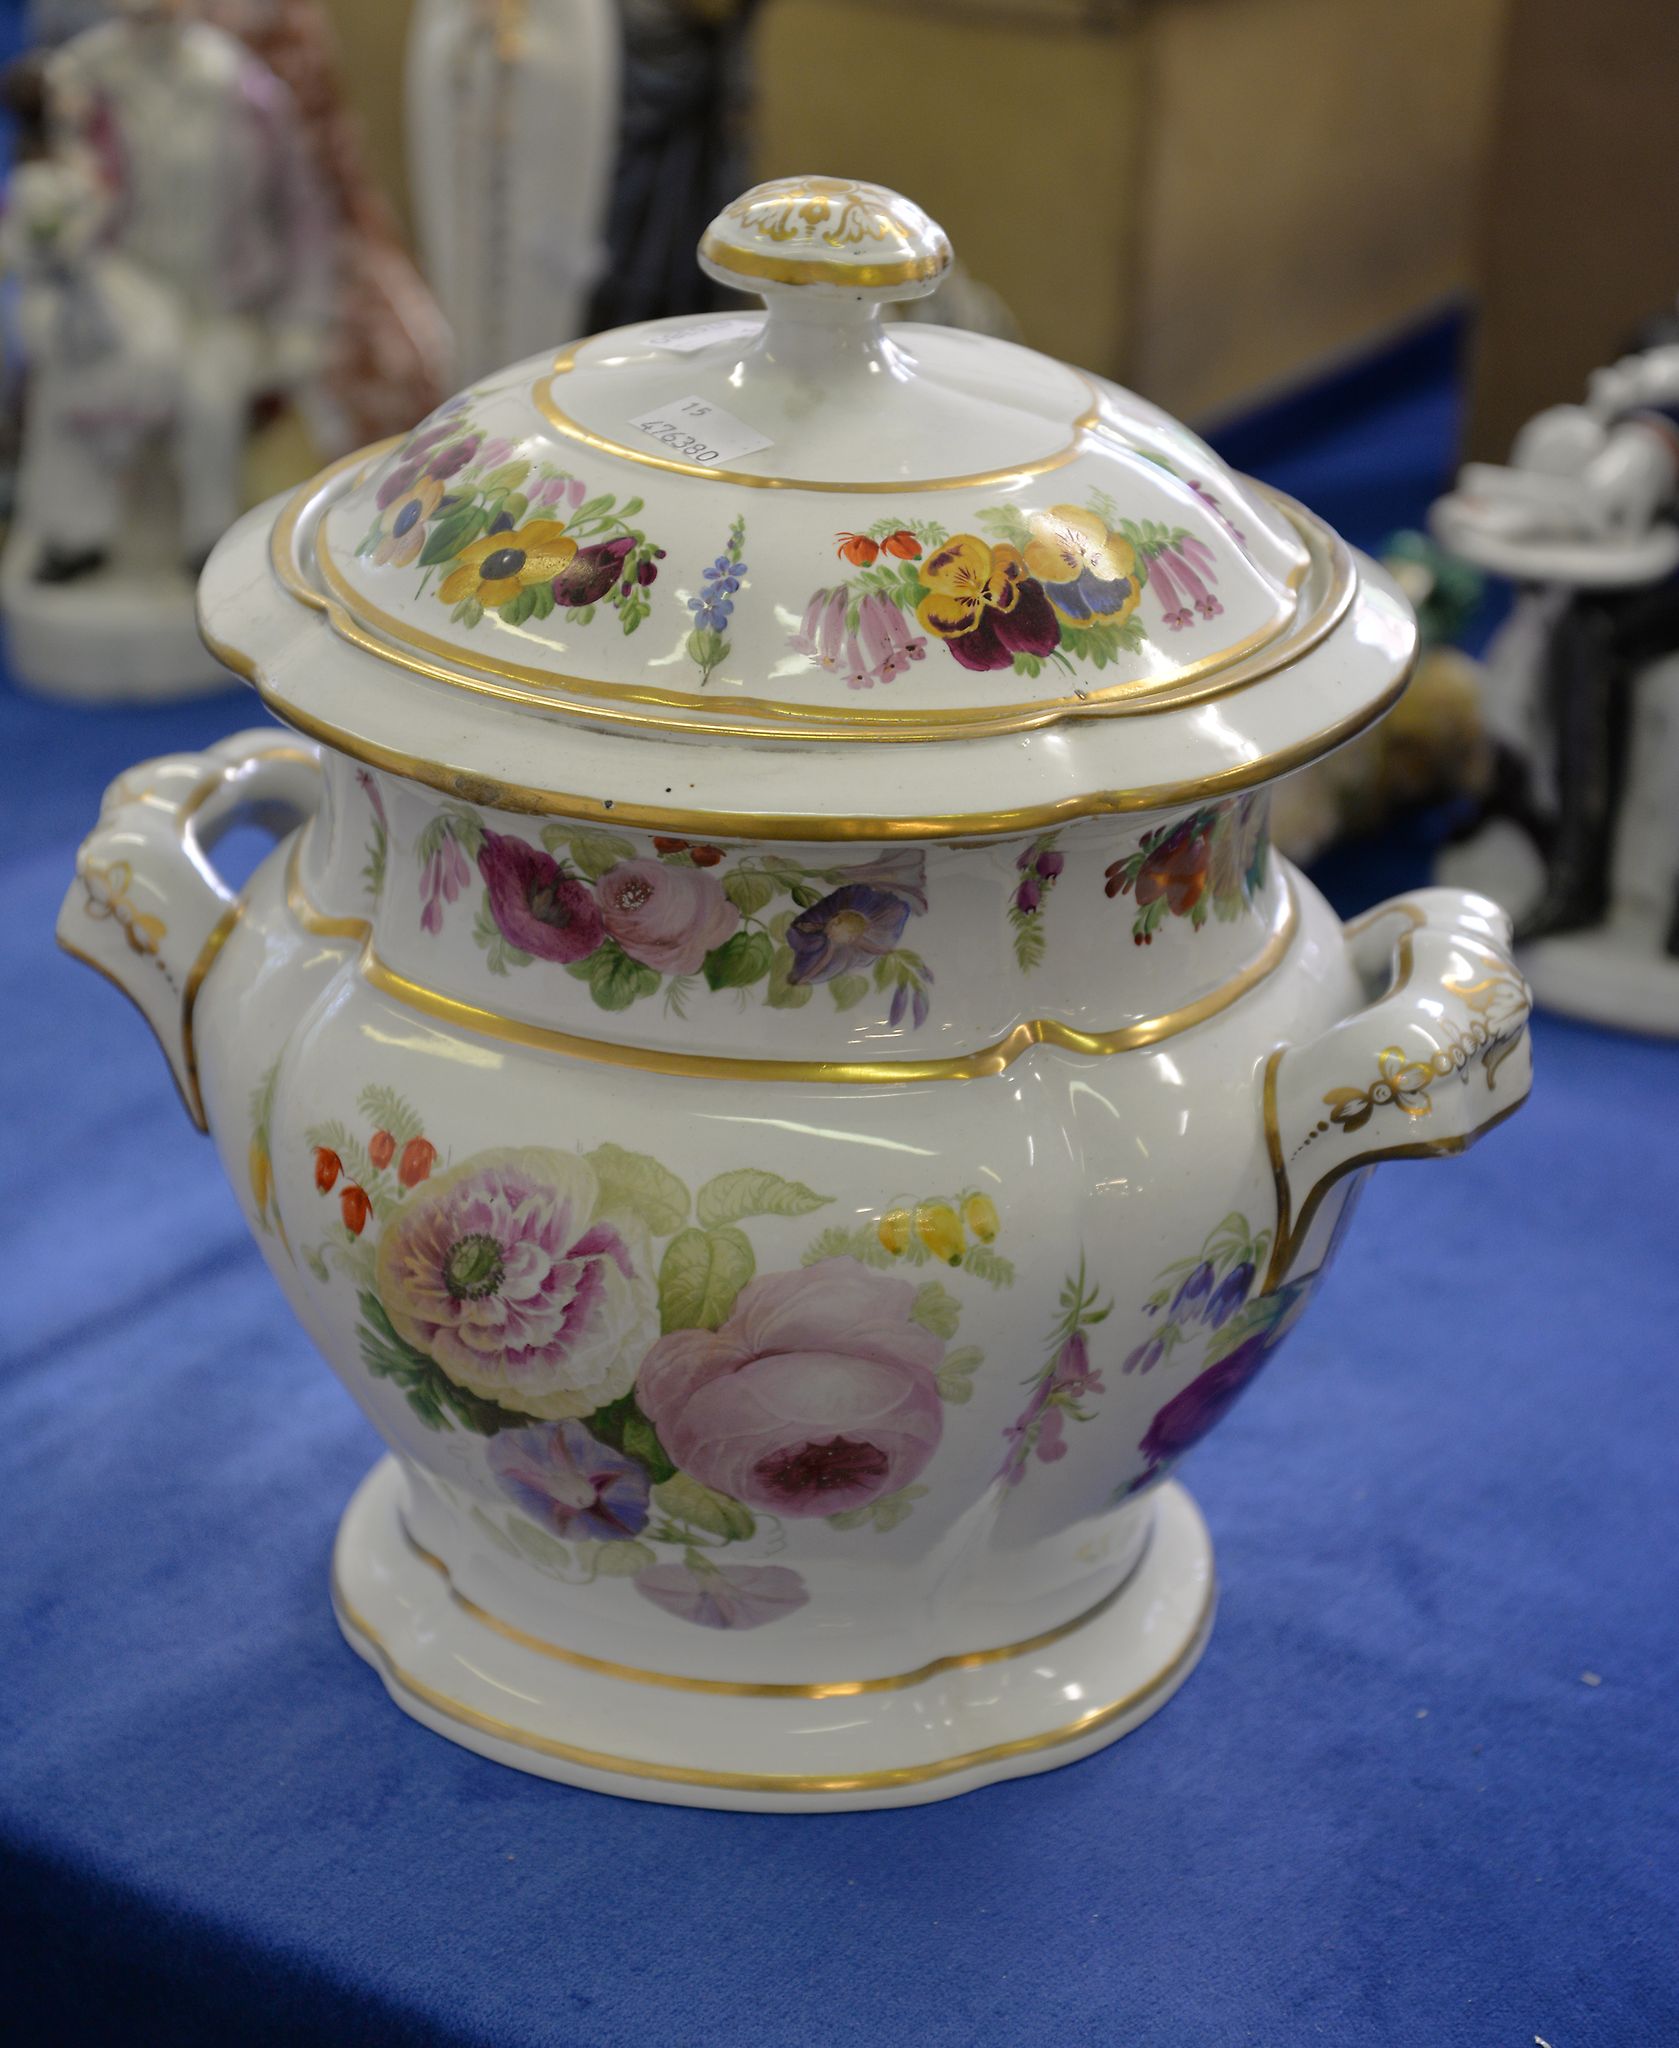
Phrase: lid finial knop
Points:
(830, 236)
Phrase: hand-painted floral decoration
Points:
(819, 1392)
(1040, 867)
(520, 1279)
(720, 583)
(1063, 584)
(1207, 1298)
(379, 836)
(499, 533)
(630, 925)
(1201, 1292)
(646, 1396)
(1211, 863)
(1061, 1387)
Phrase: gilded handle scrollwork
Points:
(1437, 1056)
(146, 908)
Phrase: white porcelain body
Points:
(1210, 1097)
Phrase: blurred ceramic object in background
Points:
(775, 1058)
(685, 134)
(1432, 746)
(1580, 830)
(512, 131)
(387, 361)
(175, 270)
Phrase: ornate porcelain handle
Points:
(1440, 1055)
(147, 909)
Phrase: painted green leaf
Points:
(615, 980)
(750, 1191)
(686, 1500)
(622, 1426)
(637, 1182)
(432, 1395)
(542, 600)
(451, 534)
(739, 961)
(701, 1273)
(748, 892)
(592, 851)
(541, 1548)
(498, 1537)
(955, 1377)
(506, 477)
(935, 1308)
(622, 1560)
(782, 992)
(837, 1242)
(591, 508)
(848, 990)
(989, 1265)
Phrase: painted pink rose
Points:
(817, 1395)
(723, 1596)
(666, 917)
(507, 1273)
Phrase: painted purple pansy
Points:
(536, 905)
(570, 1483)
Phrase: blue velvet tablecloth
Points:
(1421, 1790)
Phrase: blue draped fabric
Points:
(1421, 1790)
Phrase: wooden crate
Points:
(1203, 198)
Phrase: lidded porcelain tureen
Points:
(773, 1054)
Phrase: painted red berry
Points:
(666, 847)
(381, 1149)
(706, 856)
(355, 1208)
(328, 1166)
(417, 1158)
(903, 544)
(857, 548)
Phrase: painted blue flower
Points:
(1228, 1296)
(844, 931)
(569, 1482)
(1194, 1291)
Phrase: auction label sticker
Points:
(695, 430)
(683, 341)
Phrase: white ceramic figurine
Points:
(774, 1055)
(175, 273)
(1580, 834)
(512, 133)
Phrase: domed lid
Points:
(804, 525)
